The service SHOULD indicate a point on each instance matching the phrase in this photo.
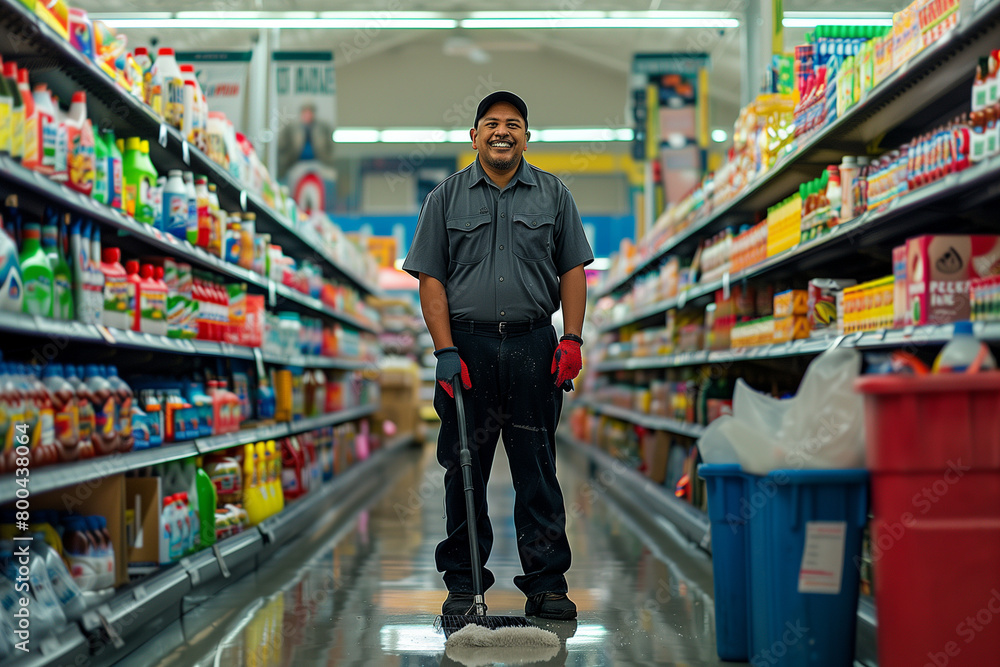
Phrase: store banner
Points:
(306, 93)
(223, 76)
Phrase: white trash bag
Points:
(821, 427)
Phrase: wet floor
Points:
(368, 593)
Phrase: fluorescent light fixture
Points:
(719, 136)
(813, 19)
(265, 20)
(356, 135)
(563, 22)
(432, 135)
(245, 15)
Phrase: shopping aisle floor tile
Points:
(369, 596)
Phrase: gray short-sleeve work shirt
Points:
(499, 253)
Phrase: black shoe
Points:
(555, 606)
(458, 604)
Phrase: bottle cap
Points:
(158, 273)
(112, 255)
(133, 144)
(52, 370)
(963, 328)
(31, 230)
(10, 69)
(79, 97)
(90, 371)
(132, 266)
(140, 51)
(147, 271)
(187, 67)
(165, 51)
(144, 147)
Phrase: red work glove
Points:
(567, 362)
(448, 366)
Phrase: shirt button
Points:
(501, 247)
(533, 223)
(502, 313)
(467, 224)
(501, 278)
(503, 215)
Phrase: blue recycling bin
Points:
(803, 542)
(726, 487)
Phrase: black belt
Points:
(473, 326)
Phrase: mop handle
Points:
(465, 458)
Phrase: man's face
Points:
(501, 137)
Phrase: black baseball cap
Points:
(501, 96)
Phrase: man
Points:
(498, 247)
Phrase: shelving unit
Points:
(920, 93)
(139, 610)
(651, 422)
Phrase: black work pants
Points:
(513, 394)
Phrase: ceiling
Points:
(600, 53)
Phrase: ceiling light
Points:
(719, 136)
(413, 136)
(265, 20)
(559, 22)
(430, 135)
(355, 135)
(813, 19)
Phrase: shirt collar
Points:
(524, 173)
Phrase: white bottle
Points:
(175, 204)
(963, 351)
(41, 588)
(61, 124)
(65, 589)
(42, 620)
(166, 69)
(47, 126)
(184, 514)
(189, 119)
(192, 210)
(96, 278)
(168, 529)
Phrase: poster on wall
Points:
(306, 92)
(223, 76)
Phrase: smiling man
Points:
(499, 247)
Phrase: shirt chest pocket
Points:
(532, 235)
(469, 238)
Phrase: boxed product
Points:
(900, 301)
(869, 306)
(791, 302)
(792, 327)
(823, 311)
(938, 271)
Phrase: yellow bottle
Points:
(275, 456)
(267, 502)
(251, 486)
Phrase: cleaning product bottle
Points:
(101, 178)
(62, 279)
(114, 171)
(6, 115)
(192, 203)
(98, 527)
(124, 399)
(115, 302)
(79, 250)
(166, 68)
(141, 57)
(80, 143)
(251, 491)
(168, 541)
(137, 181)
(232, 248)
(84, 412)
(61, 163)
(46, 450)
(48, 130)
(96, 277)
(205, 214)
(12, 221)
(151, 302)
(217, 234)
(105, 436)
(175, 205)
(189, 113)
(66, 414)
(274, 457)
(207, 501)
(964, 353)
(31, 158)
(16, 111)
(37, 273)
(183, 517)
(156, 202)
(11, 282)
(68, 594)
(148, 214)
(133, 280)
(267, 501)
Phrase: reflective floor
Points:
(368, 593)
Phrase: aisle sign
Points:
(305, 86)
(223, 76)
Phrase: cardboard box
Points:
(938, 271)
(144, 506)
(900, 309)
(791, 302)
(789, 328)
(655, 447)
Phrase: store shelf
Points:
(68, 647)
(869, 340)
(955, 193)
(62, 475)
(27, 40)
(652, 422)
(315, 305)
(929, 88)
(324, 363)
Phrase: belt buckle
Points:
(503, 327)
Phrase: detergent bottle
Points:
(166, 69)
(274, 457)
(207, 501)
(32, 138)
(66, 413)
(68, 594)
(124, 399)
(6, 114)
(101, 178)
(964, 353)
(62, 279)
(105, 436)
(96, 276)
(175, 205)
(168, 541)
(17, 138)
(11, 282)
(138, 180)
(114, 171)
(84, 411)
(80, 145)
(151, 303)
(37, 273)
(252, 499)
(115, 302)
(79, 252)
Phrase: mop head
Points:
(476, 636)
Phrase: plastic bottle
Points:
(141, 57)
(37, 273)
(98, 528)
(16, 110)
(137, 182)
(233, 248)
(185, 521)
(205, 218)
(168, 540)
(175, 204)
(62, 278)
(66, 416)
(964, 353)
(48, 130)
(105, 437)
(96, 277)
(80, 142)
(207, 501)
(46, 614)
(32, 139)
(166, 70)
(114, 172)
(84, 412)
(124, 399)
(6, 115)
(151, 302)
(102, 179)
(156, 202)
(274, 474)
(217, 221)
(189, 122)
(251, 492)
(11, 282)
(68, 594)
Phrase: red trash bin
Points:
(934, 458)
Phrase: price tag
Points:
(163, 135)
(185, 152)
(259, 358)
(725, 285)
(682, 300)
(272, 295)
(106, 334)
(139, 592)
(243, 199)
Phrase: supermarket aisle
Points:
(370, 594)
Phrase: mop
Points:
(475, 629)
